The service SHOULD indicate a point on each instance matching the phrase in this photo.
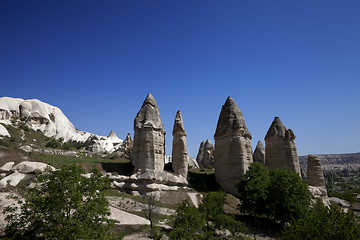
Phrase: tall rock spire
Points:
(179, 150)
(233, 152)
(259, 153)
(280, 147)
(149, 137)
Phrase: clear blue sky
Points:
(97, 60)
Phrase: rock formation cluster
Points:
(233, 152)
(149, 137)
(280, 148)
(205, 156)
(179, 150)
(259, 153)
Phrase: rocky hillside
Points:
(51, 121)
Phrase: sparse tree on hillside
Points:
(62, 205)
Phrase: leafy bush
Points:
(53, 143)
(278, 194)
(189, 223)
(323, 223)
(62, 205)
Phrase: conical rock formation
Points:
(205, 156)
(259, 153)
(280, 148)
(179, 149)
(233, 152)
(149, 137)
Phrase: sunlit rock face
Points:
(259, 153)
(205, 156)
(233, 152)
(149, 137)
(179, 149)
(280, 148)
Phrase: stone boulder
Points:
(31, 167)
(5, 201)
(179, 149)
(12, 180)
(233, 152)
(149, 137)
(205, 157)
(280, 148)
(259, 153)
(7, 167)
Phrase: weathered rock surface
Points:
(233, 152)
(4, 132)
(144, 181)
(179, 149)
(31, 167)
(315, 175)
(149, 137)
(125, 218)
(205, 157)
(52, 122)
(128, 142)
(12, 180)
(259, 153)
(114, 139)
(280, 148)
(7, 167)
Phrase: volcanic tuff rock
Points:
(233, 152)
(179, 149)
(259, 153)
(128, 142)
(205, 157)
(52, 122)
(280, 148)
(315, 175)
(149, 137)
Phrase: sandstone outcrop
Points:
(149, 137)
(31, 167)
(280, 148)
(259, 153)
(233, 152)
(205, 157)
(179, 149)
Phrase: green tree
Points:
(212, 206)
(254, 190)
(323, 223)
(62, 205)
(279, 194)
(288, 196)
(189, 223)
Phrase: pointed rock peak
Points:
(260, 145)
(128, 137)
(208, 144)
(149, 116)
(150, 100)
(276, 128)
(231, 121)
(178, 124)
(112, 134)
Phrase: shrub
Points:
(323, 223)
(62, 205)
